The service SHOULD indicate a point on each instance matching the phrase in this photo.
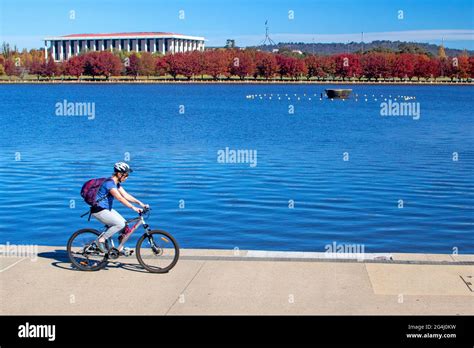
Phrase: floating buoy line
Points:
(319, 97)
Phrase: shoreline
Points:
(276, 255)
(239, 82)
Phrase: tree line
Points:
(242, 64)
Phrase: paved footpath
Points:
(241, 282)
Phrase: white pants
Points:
(111, 218)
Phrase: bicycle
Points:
(159, 255)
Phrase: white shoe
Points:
(126, 252)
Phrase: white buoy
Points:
(366, 99)
(309, 98)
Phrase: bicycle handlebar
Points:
(144, 211)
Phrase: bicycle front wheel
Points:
(157, 251)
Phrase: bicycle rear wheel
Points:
(157, 251)
(83, 251)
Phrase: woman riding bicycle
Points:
(112, 188)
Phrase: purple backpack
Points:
(91, 188)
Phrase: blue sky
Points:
(26, 22)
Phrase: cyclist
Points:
(103, 210)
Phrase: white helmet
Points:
(122, 167)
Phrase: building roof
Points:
(141, 35)
(119, 34)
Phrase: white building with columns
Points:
(63, 47)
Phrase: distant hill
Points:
(353, 47)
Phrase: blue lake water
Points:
(46, 158)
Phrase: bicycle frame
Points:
(140, 221)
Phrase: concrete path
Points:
(241, 282)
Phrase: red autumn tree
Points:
(348, 65)
(300, 68)
(161, 66)
(329, 65)
(315, 66)
(377, 64)
(266, 63)
(462, 66)
(91, 64)
(37, 68)
(188, 64)
(216, 63)
(444, 67)
(471, 66)
(75, 66)
(175, 63)
(242, 64)
(403, 65)
(195, 63)
(102, 63)
(132, 66)
(424, 67)
(283, 65)
(290, 66)
(50, 68)
(11, 69)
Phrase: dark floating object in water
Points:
(338, 93)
